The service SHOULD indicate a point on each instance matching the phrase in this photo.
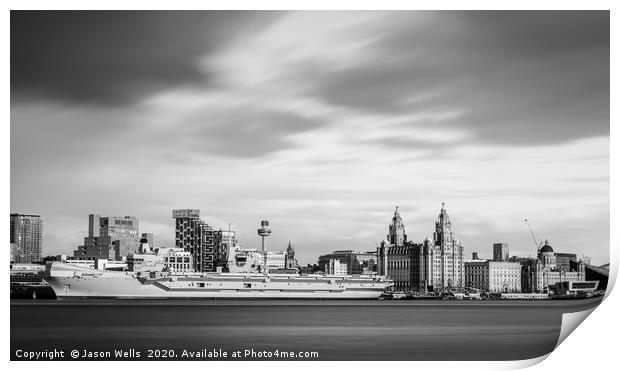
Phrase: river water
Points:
(334, 330)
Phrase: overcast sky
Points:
(320, 122)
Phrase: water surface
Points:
(337, 330)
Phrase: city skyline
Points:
(320, 122)
(482, 252)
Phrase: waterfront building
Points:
(435, 265)
(178, 260)
(500, 252)
(275, 259)
(401, 264)
(600, 274)
(477, 273)
(195, 236)
(336, 267)
(396, 255)
(309, 269)
(573, 288)
(123, 229)
(493, 276)
(110, 237)
(544, 272)
(442, 260)
(356, 262)
(26, 238)
(100, 247)
(562, 260)
(585, 259)
(224, 243)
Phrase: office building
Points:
(26, 238)
(336, 267)
(493, 276)
(109, 237)
(224, 243)
(178, 261)
(275, 259)
(356, 262)
(401, 264)
(196, 237)
(500, 252)
(123, 229)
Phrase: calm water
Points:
(368, 330)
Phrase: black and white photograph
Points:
(306, 185)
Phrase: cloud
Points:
(320, 122)
(242, 132)
(113, 58)
(518, 78)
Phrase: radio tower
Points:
(264, 231)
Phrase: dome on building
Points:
(546, 247)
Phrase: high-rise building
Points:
(109, 237)
(225, 242)
(443, 261)
(500, 252)
(195, 236)
(26, 238)
(124, 229)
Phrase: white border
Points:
(593, 344)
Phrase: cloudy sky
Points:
(320, 122)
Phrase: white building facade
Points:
(336, 267)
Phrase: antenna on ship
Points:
(264, 231)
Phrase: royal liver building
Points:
(442, 257)
(435, 265)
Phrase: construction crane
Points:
(537, 242)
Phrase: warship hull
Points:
(75, 282)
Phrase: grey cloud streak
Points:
(519, 78)
(113, 58)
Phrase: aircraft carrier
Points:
(69, 281)
(152, 276)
